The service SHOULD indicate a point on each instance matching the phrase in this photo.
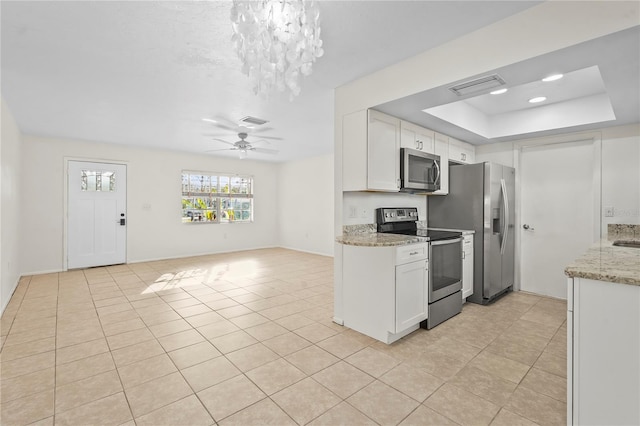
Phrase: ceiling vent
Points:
(478, 85)
(252, 121)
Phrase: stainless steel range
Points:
(445, 261)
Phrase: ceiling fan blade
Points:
(231, 128)
(223, 141)
(223, 149)
(258, 129)
(275, 138)
(265, 150)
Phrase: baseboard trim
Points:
(307, 251)
(47, 271)
(6, 302)
(198, 254)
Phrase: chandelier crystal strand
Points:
(277, 41)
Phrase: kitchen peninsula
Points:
(603, 331)
(384, 276)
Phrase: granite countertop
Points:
(605, 262)
(367, 236)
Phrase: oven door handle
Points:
(443, 242)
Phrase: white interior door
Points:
(96, 222)
(557, 212)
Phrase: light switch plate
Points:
(608, 211)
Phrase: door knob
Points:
(527, 227)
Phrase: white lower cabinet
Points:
(467, 266)
(603, 353)
(411, 294)
(385, 289)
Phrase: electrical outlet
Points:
(353, 212)
(608, 211)
(363, 213)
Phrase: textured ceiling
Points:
(145, 73)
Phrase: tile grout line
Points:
(124, 393)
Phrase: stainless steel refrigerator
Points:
(482, 197)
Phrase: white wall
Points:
(154, 179)
(10, 208)
(621, 175)
(366, 203)
(305, 205)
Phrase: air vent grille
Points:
(477, 85)
(253, 120)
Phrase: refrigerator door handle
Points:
(505, 221)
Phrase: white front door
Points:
(557, 212)
(96, 227)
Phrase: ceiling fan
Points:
(243, 147)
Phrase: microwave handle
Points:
(437, 179)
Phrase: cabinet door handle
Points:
(413, 253)
(464, 157)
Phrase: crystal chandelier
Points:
(277, 41)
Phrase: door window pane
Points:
(97, 181)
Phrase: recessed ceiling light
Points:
(538, 99)
(552, 77)
(209, 120)
(499, 91)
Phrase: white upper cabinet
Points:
(416, 137)
(370, 152)
(442, 149)
(461, 152)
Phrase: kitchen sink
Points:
(623, 243)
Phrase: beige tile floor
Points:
(247, 338)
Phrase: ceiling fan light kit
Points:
(243, 147)
(277, 42)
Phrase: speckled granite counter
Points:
(366, 235)
(605, 262)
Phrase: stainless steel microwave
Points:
(419, 171)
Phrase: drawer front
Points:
(411, 253)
